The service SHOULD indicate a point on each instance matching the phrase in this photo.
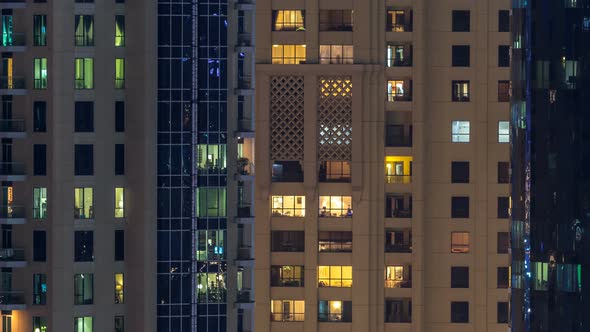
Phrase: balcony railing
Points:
(243, 296)
(244, 211)
(399, 63)
(398, 247)
(13, 39)
(12, 298)
(8, 212)
(12, 126)
(399, 213)
(398, 179)
(399, 96)
(244, 39)
(12, 255)
(406, 283)
(333, 26)
(398, 141)
(296, 282)
(12, 168)
(399, 27)
(245, 82)
(12, 82)
(244, 253)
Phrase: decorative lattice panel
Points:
(286, 118)
(335, 118)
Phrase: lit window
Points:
(336, 54)
(287, 310)
(119, 288)
(398, 21)
(39, 203)
(119, 73)
(39, 30)
(334, 171)
(83, 324)
(335, 206)
(503, 132)
(211, 158)
(39, 289)
(84, 75)
(39, 324)
(460, 132)
(83, 289)
(119, 30)
(288, 54)
(335, 311)
(397, 276)
(83, 203)
(288, 20)
(335, 276)
(460, 91)
(459, 242)
(286, 276)
(398, 90)
(211, 287)
(288, 206)
(211, 202)
(119, 202)
(84, 30)
(398, 169)
(39, 74)
(210, 245)
(399, 56)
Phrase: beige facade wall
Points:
(430, 113)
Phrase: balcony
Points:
(287, 171)
(244, 215)
(12, 85)
(334, 171)
(245, 86)
(14, 42)
(399, 213)
(245, 170)
(398, 248)
(398, 179)
(10, 257)
(12, 215)
(399, 56)
(12, 4)
(244, 256)
(244, 299)
(398, 141)
(12, 171)
(404, 283)
(245, 5)
(245, 128)
(12, 128)
(12, 300)
(399, 90)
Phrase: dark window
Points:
(119, 116)
(459, 277)
(293, 241)
(460, 91)
(503, 56)
(503, 242)
(503, 204)
(460, 55)
(39, 246)
(119, 1)
(83, 289)
(287, 276)
(460, 21)
(335, 241)
(503, 21)
(39, 289)
(39, 116)
(503, 276)
(84, 116)
(326, 311)
(335, 20)
(84, 159)
(459, 312)
(460, 172)
(503, 312)
(398, 310)
(459, 207)
(119, 159)
(503, 91)
(119, 320)
(119, 245)
(83, 246)
(39, 159)
(503, 172)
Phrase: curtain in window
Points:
(119, 30)
(7, 30)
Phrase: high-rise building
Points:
(550, 180)
(127, 165)
(382, 165)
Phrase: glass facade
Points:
(550, 163)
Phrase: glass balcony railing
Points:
(12, 168)
(12, 297)
(12, 126)
(12, 255)
(398, 179)
(398, 247)
(243, 296)
(13, 39)
(12, 82)
(10, 212)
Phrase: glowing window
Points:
(83, 203)
(119, 288)
(288, 206)
(288, 20)
(459, 242)
(460, 131)
(335, 206)
(335, 276)
(288, 54)
(287, 310)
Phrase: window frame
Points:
(458, 132)
(335, 276)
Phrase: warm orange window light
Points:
(398, 169)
